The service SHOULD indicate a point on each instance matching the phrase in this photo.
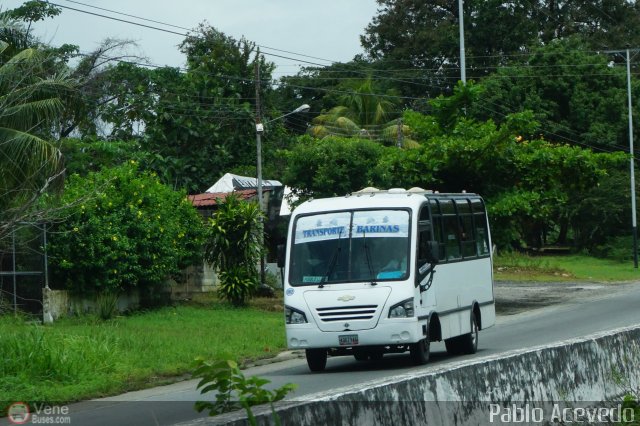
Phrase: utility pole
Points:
(463, 71)
(400, 139)
(632, 168)
(634, 223)
(259, 130)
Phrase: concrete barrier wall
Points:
(573, 373)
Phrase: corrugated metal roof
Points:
(230, 182)
(211, 198)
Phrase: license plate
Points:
(348, 340)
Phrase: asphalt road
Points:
(577, 310)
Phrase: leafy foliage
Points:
(361, 112)
(125, 230)
(195, 125)
(423, 36)
(535, 189)
(331, 166)
(576, 96)
(234, 246)
(234, 391)
(86, 155)
(30, 103)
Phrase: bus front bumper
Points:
(396, 332)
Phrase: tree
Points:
(125, 230)
(195, 125)
(362, 112)
(82, 117)
(577, 96)
(422, 37)
(331, 166)
(233, 246)
(13, 31)
(534, 188)
(30, 165)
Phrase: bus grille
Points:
(343, 313)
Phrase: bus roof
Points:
(376, 198)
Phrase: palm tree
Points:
(362, 113)
(30, 165)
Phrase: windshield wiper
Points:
(367, 254)
(332, 262)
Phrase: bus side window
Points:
(480, 227)
(467, 236)
(481, 230)
(452, 231)
(438, 235)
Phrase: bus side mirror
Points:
(281, 255)
(433, 252)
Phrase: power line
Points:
(181, 34)
(125, 14)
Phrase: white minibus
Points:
(387, 271)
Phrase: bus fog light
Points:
(403, 309)
(405, 335)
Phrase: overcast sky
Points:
(328, 29)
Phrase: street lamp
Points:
(259, 131)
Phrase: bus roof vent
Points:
(397, 191)
(368, 190)
(418, 190)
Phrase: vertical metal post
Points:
(463, 71)
(15, 284)
(632, 167)
(46, 258)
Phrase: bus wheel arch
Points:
(435, 329)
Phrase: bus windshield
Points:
(350, 246)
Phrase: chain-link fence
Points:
(23, 269)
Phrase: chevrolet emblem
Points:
(346, 298)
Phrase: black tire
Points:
(420, 351)
(469, 341)
(316, 359)
(453, 346)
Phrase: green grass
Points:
(518, 267)
(80, 358)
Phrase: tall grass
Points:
(81, 358)
(521, 267)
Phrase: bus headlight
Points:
(403, 309)
(294, 316)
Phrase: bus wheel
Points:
(316, 359)
(453, 346)
(360, 355)
(420, 351)
(469, 342)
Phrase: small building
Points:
(277, 207)
(247, 189)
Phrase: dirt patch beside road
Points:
(515, 297)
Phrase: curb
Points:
(282, 356)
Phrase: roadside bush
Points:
(233, 246)
(618, 248)
(125, 230)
